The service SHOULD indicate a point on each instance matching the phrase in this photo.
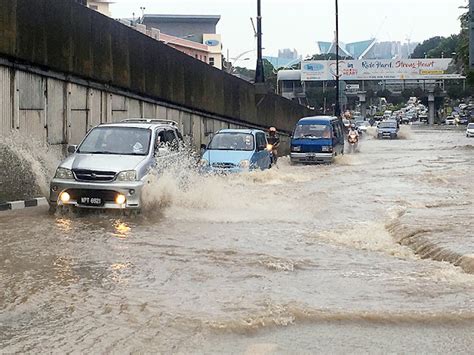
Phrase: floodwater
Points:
(373, 254)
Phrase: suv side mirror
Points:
(71, 149)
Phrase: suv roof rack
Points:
(150, 120)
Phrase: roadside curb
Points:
(18, 205)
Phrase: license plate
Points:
(90, 201)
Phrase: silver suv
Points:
(109, 168)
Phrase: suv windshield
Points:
(232, 141)
(470, 126)
(388, 125)
(315, 131)
(117, 140)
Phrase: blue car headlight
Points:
(244, 164)
(326, 148)
(296, 148)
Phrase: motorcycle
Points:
(353, 141)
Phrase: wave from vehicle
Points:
(27, 164)
(283, 315)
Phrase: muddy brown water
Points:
(372, 254)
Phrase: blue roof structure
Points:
(279, 62)
(356, 50)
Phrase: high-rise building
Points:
(369, 49)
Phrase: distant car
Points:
(463, 120)
(470, 130)
(387, 114)
(406, 119)
(387, 129)
(449, 120)
(362, 126)
(236, 150)
(423, 118)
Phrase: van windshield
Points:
(232, 141)
(117, 140)
(312, 131)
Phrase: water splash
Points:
(28, 165)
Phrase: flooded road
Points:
(372, 254)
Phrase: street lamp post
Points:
(259, 73)
(337, 108)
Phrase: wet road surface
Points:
(372, 254)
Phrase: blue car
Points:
(387, 129)
(236, 150)
(317, 140)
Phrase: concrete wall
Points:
(65, 37)
(60, 111)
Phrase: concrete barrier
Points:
(69, 38)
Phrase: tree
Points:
(318, 97)
(270, 74)
(407, 93)
(328, 56)
(384, 93)
(422, 49)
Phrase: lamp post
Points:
(337, 108)
(259, 73)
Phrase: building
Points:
(286, 58)
(208, 52)
(200, 29)
(193, 49)
(102, 6)
(369, 49)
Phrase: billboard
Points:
(373, 69)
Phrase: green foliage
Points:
(407, 93)
(384, 93)
(424, 48)
(437, 47)
(329, 56)
(270, 74)
(317, 97)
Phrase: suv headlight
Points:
(203, 163)
(296, 149)
(63, 173)
(244, 164)
(128, 175)
(327, 148)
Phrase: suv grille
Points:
(93, 175)
(223, 165)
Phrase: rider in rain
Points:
(274, 140)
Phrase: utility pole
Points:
(471, 34)
(259, 73)
(337, 108)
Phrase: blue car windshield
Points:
(312, 131)
(117, 140)
(232, 141)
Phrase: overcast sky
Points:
(300, 23)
